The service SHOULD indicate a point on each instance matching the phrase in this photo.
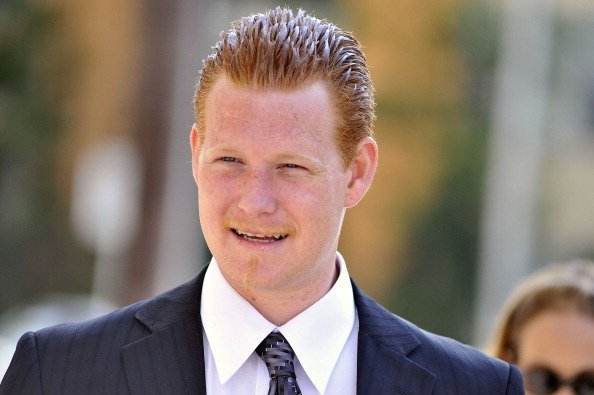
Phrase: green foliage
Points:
(439, 286)
(34, 236)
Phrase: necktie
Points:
(278, 356)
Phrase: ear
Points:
(195, 146)
(361, 171)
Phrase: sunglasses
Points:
(545, 381)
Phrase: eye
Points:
(228, 159)
(292, 166)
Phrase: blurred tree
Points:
(33, 219)
(438, 290)
(418, 226)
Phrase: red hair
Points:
(277, 50)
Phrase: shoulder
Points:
(444, 351)
(457, 367)
(462, 367)
(118, 320)
(82, 354)
(131, 322)
(92, 344)
(126, 324)
(67, 353)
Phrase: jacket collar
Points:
(171, 358)
(385, 342)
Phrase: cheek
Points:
(211, 202)
(213, 189)
(321, 210)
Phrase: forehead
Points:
(224, 89)
(563, 339)
(306, 111)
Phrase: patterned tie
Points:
(278, 356)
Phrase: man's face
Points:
(272, 191)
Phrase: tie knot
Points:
(277, 354)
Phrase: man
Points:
(282, 145)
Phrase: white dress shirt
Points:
(324, 338)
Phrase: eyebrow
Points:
(290, 157)
(282, 156)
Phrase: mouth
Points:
(260, 237)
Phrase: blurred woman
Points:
(547, 330)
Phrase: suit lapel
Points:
(383, 346)
(170, 360)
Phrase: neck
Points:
(279, 306)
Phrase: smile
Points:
(259, 237)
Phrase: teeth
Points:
(260, 236)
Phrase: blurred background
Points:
(485, 127)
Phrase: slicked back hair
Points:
(277, 50)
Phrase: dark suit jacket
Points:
(155, 347)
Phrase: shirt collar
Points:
(331, 319)
(230, 347)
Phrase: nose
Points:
(257, 195)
